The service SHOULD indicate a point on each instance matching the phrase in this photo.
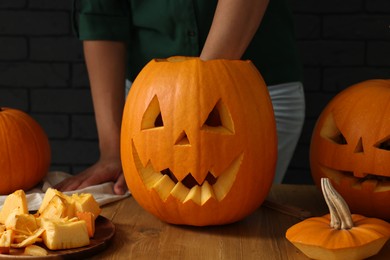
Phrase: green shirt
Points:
(164, 28)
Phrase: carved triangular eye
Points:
(219, 119)
(331, 132)
(152, 117)
(384, 144)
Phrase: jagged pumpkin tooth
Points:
(207, 192)
(195, 195)
(164, 186)
(180, 191)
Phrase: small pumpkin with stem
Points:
(340, 234)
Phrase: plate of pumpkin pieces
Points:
(63, 226)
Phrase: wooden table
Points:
(139, 235)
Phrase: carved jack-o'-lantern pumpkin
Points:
(198, 141)
(351, 146)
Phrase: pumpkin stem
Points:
(340, 215)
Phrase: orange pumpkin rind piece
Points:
(89, 219)
(317, 239)
(85, 202)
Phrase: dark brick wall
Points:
(42, 70)
(341, 43)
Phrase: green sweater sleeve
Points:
(103, 20)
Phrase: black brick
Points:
(50, 4)
(332, 53)
(337, 79)
(79, 75)
(55, 126)
(84, 127)
(324, 6)
(357, 27)
(315, 103)
(61, 101)
(312, 79)
(34, 23)
(27, 74)
(12, 4)
(378, 54)
(14, 98)
(74, 152)
(13, 48)
(56, 49)
(380, 6)
(308, 26)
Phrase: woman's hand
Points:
(102, 171)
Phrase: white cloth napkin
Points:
(103, 193)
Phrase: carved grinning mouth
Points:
(165, 183)
(376, 182)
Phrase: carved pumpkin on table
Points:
(198, 140)
(351, 146)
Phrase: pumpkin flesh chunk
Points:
(5, 241)
(200, 194)
(25, 224)
(15, 201)
(64, 234)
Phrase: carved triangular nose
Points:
(182, 139)
(359, 146)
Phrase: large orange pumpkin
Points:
(351, 146)
(198, 141)
(24, 151)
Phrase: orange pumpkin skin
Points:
(351, 146)
(239, 142)
(24, 151)
(318, 240)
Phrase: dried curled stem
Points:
(340, 215)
